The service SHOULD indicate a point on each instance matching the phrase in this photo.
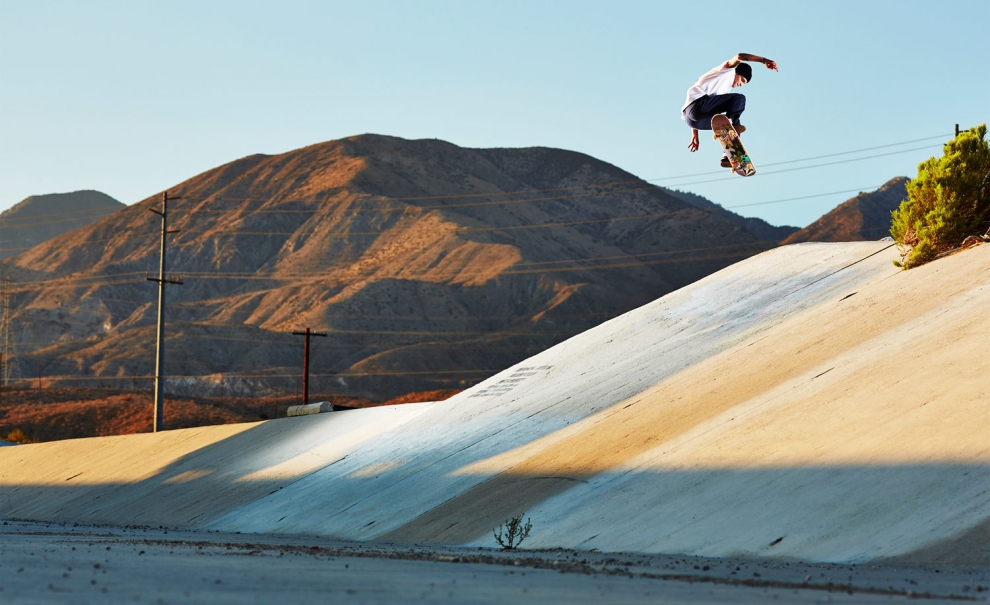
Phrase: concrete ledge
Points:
(310, 408)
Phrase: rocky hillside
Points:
(41, 217)
(431, 266)
(763, 230)
(864, 217)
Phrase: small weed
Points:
(510, 534)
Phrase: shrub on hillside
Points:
(17, 436)
(949, 200)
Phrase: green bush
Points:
(948, 201)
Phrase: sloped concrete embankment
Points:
(811, 402)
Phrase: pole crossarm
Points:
(171, 279)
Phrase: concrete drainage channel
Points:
(767, 410)
(42, 560)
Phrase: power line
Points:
(44, 347)
(375, 233)
(68, 282)
(541, 270)
(706, 249)
(804, 197)
(611, 183)
(831, 155)
(103, 279)
(14, 221)
(627, 265)
(90, 281)
(616, 219)
(534, 200)
(346, 374)
(240, 233)
(469, 229)
(88, 219)
(869, 157)
(532, 191)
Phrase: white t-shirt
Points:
(715, 82)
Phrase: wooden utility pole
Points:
(307, 334)
(162, 280)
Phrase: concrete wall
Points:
(811, 402)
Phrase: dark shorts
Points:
(700, 113)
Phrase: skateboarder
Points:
(711, 95)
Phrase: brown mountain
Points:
(864, 217)
(431, 266)
(763, 230)
(41, 217)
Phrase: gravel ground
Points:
(49, 562)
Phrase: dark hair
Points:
(744, 70)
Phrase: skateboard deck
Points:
(727, 136)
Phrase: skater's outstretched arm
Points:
(693, 146)
(736, 60)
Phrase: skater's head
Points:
(744, 75)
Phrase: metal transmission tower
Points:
(7, 367)
(307, 334)
(162, 280)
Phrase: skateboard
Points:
(727, 136)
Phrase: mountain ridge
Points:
(863, 217)
(39, 218)
(763, 230)
(431, 265)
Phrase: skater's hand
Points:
(693, 145)
(770, 64)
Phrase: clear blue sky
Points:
(132, 97)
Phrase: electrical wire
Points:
(378, 233)
(16, 220)
(806, 167)
(187, 200)
(244, 375)
(114, 279)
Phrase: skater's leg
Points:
(709, 106)
(732, 105)
(700, 113)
